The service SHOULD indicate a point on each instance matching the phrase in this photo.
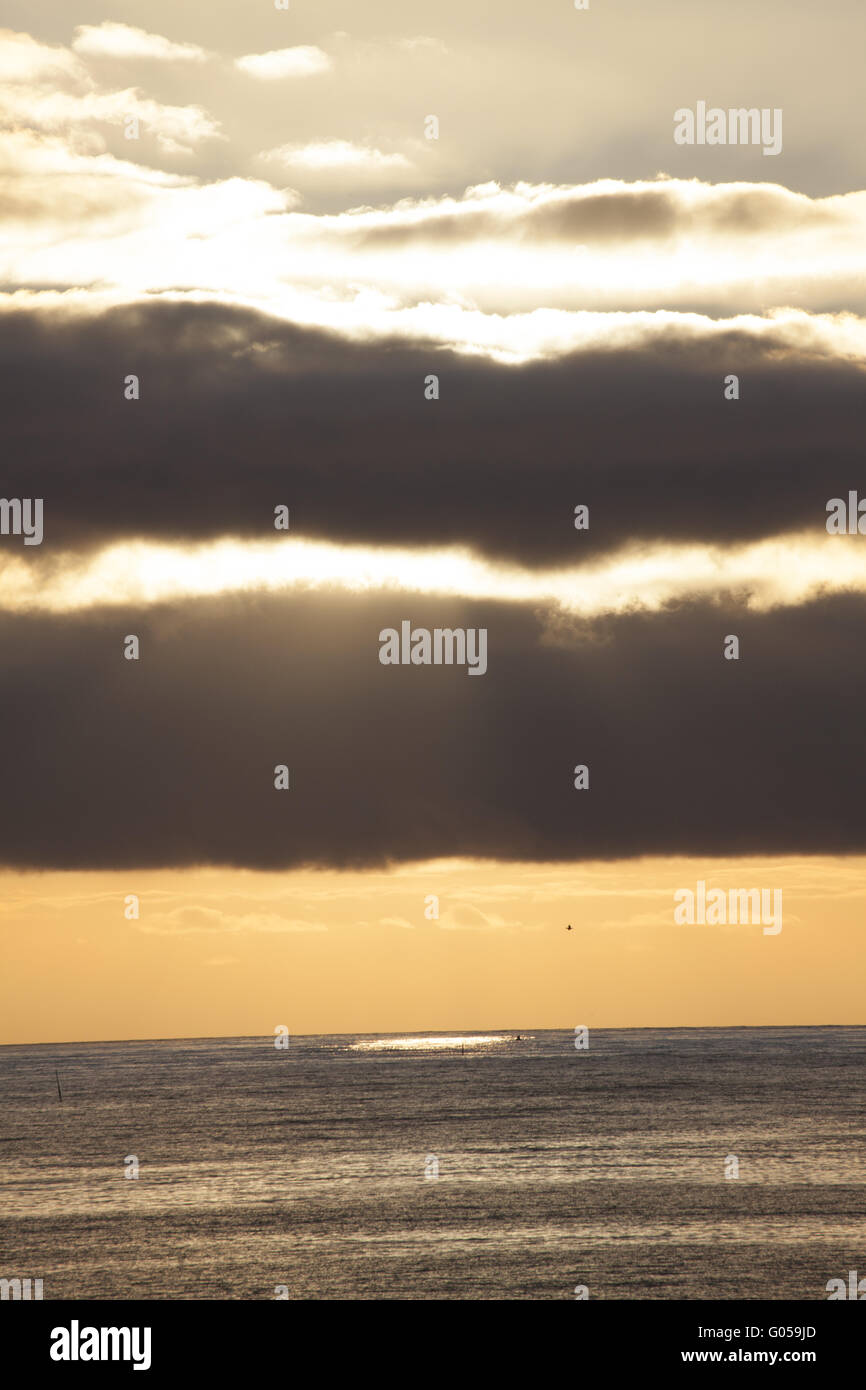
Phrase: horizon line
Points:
(433, 1032)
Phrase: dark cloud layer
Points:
(239, 412)
(169, 761)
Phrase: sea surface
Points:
(437, 1166)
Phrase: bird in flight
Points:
(568, 928)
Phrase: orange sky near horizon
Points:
(227, 952)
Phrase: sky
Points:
(429, 281)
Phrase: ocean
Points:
(438, 1166)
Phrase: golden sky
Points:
(234, 953)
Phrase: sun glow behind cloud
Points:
(767, 574)
(421, 266)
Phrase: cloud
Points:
(305, 60)
(609, 211)
(110, 40)
(169, 760)
(375, 48)
(422, 42)
(638, 432)
(520, 272)
(49, 90)
(185, 921)
(51, 188)
(327, 155)
(53, 191)
(466, 917)
(768, 574)
(24, 59)
(174, 127)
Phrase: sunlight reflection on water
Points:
(433, 1043)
